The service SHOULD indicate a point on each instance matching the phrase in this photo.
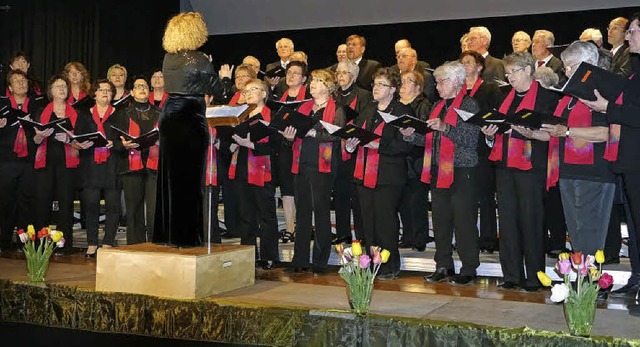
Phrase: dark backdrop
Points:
(96, 33)
(435, 42)
(100, 34)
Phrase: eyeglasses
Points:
(441, 80)
(141, 87)
(631, 31)
(20, 81)
(507, 74)
(380, 85)
(103, 90)
(60, 87)
(293, 73)
(250, 90)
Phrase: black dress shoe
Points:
(634, 310)
(296, 269)
(339, 240)
(389, 276)
(462, 280)
(420, 248)
(91, 255)
(405, 244)
(430, 239)
(441, 275)
(269, 265)
(530, 289)
(486, 250)
(603, 294)
(317, 270)
(626, 291)
(506, 285)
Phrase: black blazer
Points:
(621, 61)
(556, 65)
(367, 69)
(493, 69)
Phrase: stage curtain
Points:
(207, 320)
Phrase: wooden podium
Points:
(181, 273)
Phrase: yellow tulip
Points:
(31, 230)
(544, 279)
(385, 255)
(356, 248)
(56, 236)
(595, 274)
(564, 255)
(599, 257)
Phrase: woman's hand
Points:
(3, 122)
(128, 144)
(244, 141)
(600, 104)
(407, 132)
(311, 133)
(41, 135)
(489, 131)
(436, 124)
(526, 132)
(62, 137)
(557, 130)
(289, 133)
(373, 145)
(226, 71)
(81, 145)
(351, 144)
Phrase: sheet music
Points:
(387, 117)
(226, 111)
(465, 115)
(331, 128)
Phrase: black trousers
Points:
(313, 200)
(345, 197)
(620, 211)
(17, 198)
(91, 197)
(231, 206)
(486, 178)
(380, 227)
(211, 222)
(139, 191)
(554, 220)
(455, 210)
(258, 218)
(56, 182)
(632, 189)
(521, 213)
(414, 212)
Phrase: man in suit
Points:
(356, 46)
(620, 56)
(478, 40)
(520, 42)
(542, 39)
(284, 47)
(252, 62)
(408, 61)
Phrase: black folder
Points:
(349, 131)
(145, 140)
(406, 121)
(258, 128)
(11, 114)
(491, 117)
(275, 105)
(349, 114)
(62, 123)
(526, 118)
(84, 103)
(589, 77)
(96, 137)
(123, 102)
(286, 117)
(277, 71)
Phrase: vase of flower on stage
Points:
(359, 271)
(579, 316)
(38, 248)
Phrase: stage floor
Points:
(408, 297)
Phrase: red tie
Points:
(540, 63)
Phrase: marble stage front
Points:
(299, 311)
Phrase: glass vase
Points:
(579, 316)
(359, 295)
(37, 269)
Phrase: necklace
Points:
(320, 104)
(145, 110)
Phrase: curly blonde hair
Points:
(327, 78)
(186, 31)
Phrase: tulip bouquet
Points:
(359, 270)
(38, 255)
(579, 298)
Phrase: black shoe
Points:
(530, 289)
(430, 239)
(611, 260)
(91, 255)
(626, 291)
(603, 295)
(441, 275)
(317, 270)
(420, 248)
(269, 265)
(339, 240)
(506, 285)
(405, 244)
(634, 310)
(486, 250)
(296, 269)
(286, 236)
(462, 280)
(393, 275)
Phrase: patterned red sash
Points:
(326, 148)
(369, 174)
(258, 167)
(72, 159)
(135, 156)
(212, 160)
(101, 154)
(20, 145)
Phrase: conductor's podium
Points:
(181, 273)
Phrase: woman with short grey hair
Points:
(576, 160)
(449, 166)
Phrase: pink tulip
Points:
(584, 270)
(365, 260)
(605, 281)
(377, 258)
(564, 266)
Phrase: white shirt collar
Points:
(615, 50)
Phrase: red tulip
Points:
(605, 281)
(576, 258)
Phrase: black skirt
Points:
(183, 148)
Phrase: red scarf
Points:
(575, 151)
(447, 147)
(326, 148)
(71, 100)
(258, 167)
(369, 174)
(101, 154)
(20, 144)
(71, 154)
(135, 156)
(235, 98)
(475, 87)
(301, 94)
(212, 157)
(518, 151)
(152, 99)
(611, 149)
